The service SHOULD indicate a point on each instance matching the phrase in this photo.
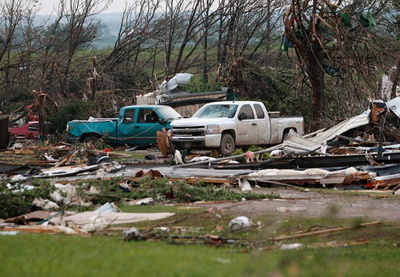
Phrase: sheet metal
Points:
(344, 126)
(295, 143)
(394, 105)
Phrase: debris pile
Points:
(77, 188)
(357, 151)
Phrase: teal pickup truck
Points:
(136, 125)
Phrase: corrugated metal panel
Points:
(295, 143)
(298, 144)
(344, 126)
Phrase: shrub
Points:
(69, 111)
(203, 86)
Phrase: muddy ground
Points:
(369, 205)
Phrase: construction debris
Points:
(48, 184)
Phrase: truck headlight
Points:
(212, 129)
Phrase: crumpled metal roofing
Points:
(298, 144)
(394, 105)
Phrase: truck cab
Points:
(139, 124)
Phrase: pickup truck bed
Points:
(105, 127)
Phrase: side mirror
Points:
(242, 116)
(162, 121)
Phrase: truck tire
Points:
(91, 139)
(227, 145)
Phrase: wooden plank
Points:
(4, 135)
(205, 180)
(322, 231)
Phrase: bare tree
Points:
(17, 41)
(245, 27)
(173, 19)
(140, 30)
(198, 29)
(81, 24)
(334, 37)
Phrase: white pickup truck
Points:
(228, 124)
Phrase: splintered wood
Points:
(163, 143)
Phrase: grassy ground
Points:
(376, 253)
(42, 255)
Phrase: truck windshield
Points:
(219, 110)
(169, 113)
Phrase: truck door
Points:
(147, 125)
(247, 126)
(139, 126)
(263, 125)
(126, 129)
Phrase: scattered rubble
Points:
(43, 186)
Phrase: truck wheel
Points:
(227, 145)
(91, 139)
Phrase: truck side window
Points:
(259, 111)
(128, 116)
(147, 116)
(248, 111)
(152, 117)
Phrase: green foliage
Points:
(70, 110)
(252, 148)
(187, 193)
(128, 79)
(237, 152)
(203, 86)
(162, 189)
(14, 99)
(17, 199)
(255, 148)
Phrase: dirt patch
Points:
(298, 202)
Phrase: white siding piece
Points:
(338, 176)
(109, 218)
(147, 99)
(287, 174)
(319, 175)
(394, 105)
(387, 177)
